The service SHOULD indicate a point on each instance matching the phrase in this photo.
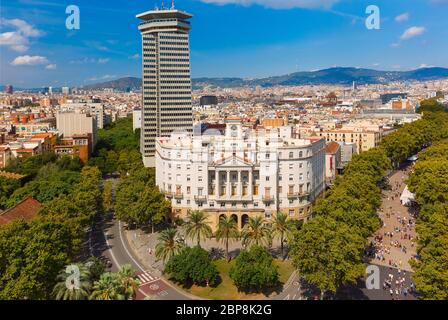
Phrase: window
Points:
(291, 155)
(268, 215)
(267, 178)
(291, 213)
(223, 204)
(268, 155)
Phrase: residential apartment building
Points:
(70, 124)
(244, 173)
(363, 139)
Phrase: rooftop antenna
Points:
(172, 5)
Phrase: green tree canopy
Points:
(192, 265)
(254, 270)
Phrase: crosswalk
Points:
(145, 278)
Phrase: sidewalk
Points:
(395, 240)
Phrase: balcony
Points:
(200, 198)
(268, 199)
(168, 194)
(293, 195)
(178, 195)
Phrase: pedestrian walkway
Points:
(394, 244)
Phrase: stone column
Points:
(240, 184)
(228, 186)
(217, 183)
(251, 182)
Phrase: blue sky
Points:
(242, 38)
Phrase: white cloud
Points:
(105, 77)
(278, 4)
(402, 17)
(29, 60)
(412, 32)
(51, 66)
(90, 60)
(18, 40)
(23, 27)
(424, 65)
(14, 41)
(395, 45)
(135, 56)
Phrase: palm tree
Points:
(256, 232)
(107, 288)
(169, 244)
(128, 282)
(71, 286)
(282, 227)
(227, 229)
(197, 226)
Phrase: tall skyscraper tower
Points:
(166, 77)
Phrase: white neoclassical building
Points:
(243, 173)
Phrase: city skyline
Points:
(37, 50)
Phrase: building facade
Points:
(70, 124)
(244, 173)
(166, 87)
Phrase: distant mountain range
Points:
(119, 84)
(340, 76)
(335, 76)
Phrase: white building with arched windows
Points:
(243, 173)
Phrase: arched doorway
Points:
(234, 217)
(221, 216)
(244, 220)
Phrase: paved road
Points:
(108, 242)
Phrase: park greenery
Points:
(328, 250)
(254, 270)
(32, 253)
(47, 177)
(429, 181)
(256, 237)
(94, 283)
(192, 266)
(117, 149)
